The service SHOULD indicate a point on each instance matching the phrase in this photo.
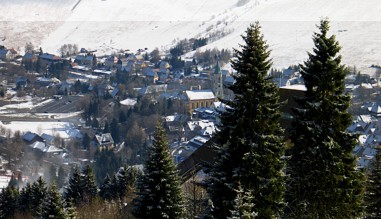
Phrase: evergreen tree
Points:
(89, 186)
(250, 145)
(8, 202)
(373, 188)
(114, 129)
(159, 191)
(39, 193)
(54, 206)
(105, 189)
(243, 205)
(114, 188)
(324, 181)
(70, 210)
(74, 190)
(126, 180)
(25, 205)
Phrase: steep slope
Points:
(109, 25)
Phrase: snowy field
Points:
(36, 122)
(110, 25)
(62, 129)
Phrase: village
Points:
(60, 110)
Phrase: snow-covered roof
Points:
(52, 149)
(198, 140)
(38, 145)
(366, 85)
(200, 94)
(100, 71)
(128, 102)
(300, 87)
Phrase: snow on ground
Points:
(110, 25)
(62, 129)
(25, 105)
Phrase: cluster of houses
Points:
(368, 129)
(190, 130)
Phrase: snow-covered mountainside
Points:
(108, 25)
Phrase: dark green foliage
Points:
(105, 189)
(126, 180)
(54, 206)
(70, 210)
(243, 205)
(106, 163)
(74, 190)
(89, 186)
(25, 205)
(82, 187)
(114, 130)
(8, 202)
(159, 192)
(249, 145)
(39, 193)
(199, 43)
(324, 182)
(373, 188)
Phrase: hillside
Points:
(108, 25)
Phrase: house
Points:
(153, 89)
(104, 141)
(287, 95)
(47, 138)
(47, 59)
(31, 137)
(128, 102)
(111, 61)
(199, 98)
(87, 60)
(7, 54)
(150, 73)
(46, 149)
(22, 82)
(29, 58)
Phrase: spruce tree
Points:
(126, 180)
(39, 193)
(74, 190)
(373, 188)
(159, 190)
(71, 213)
(105, 189)
(8, 202)
(324, 181)
(25, 205)
(89, 186)
(250, 145)
(54, 206)
(243, 205)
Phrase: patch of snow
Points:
(63, 129)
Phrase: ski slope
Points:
(110, 25)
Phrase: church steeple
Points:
(218, 86)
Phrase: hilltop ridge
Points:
(108, 25)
